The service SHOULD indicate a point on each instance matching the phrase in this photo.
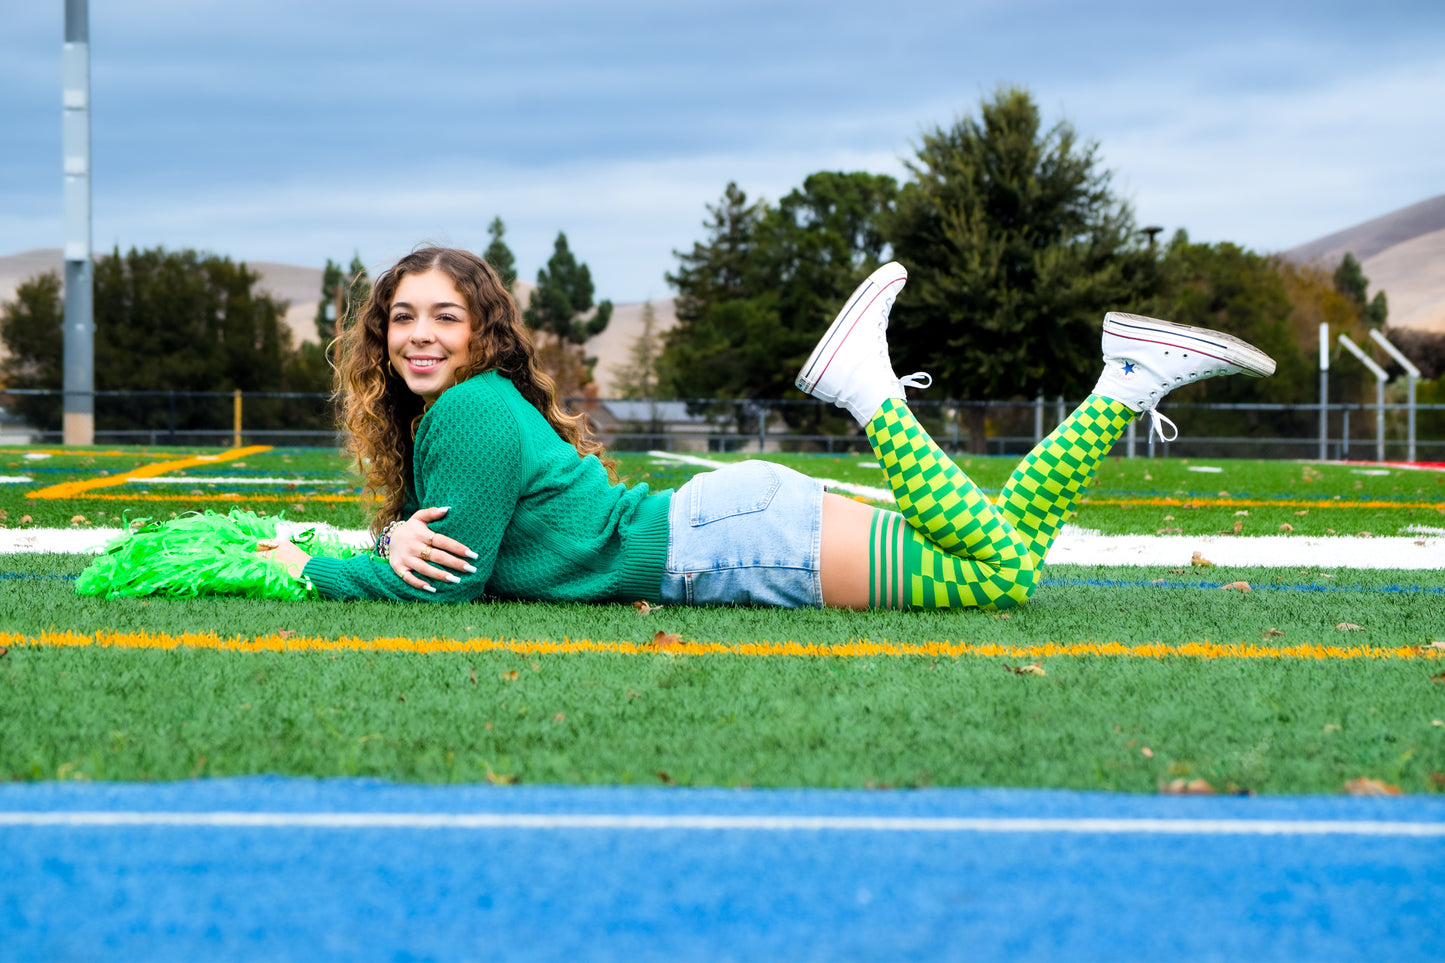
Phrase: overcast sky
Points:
(297, 131)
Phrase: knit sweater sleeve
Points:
(470, 457)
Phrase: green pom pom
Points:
(204, 554)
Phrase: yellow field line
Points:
(1217, 502)
(71, 489)
(219, 496)
(858, 648)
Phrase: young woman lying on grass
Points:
(448, 409)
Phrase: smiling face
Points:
(427, 332)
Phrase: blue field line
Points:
(38, 576)
(278, 869)
(1164, 584)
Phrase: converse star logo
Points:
(1128, 367)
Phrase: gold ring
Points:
(425, 553)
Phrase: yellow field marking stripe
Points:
(218, 496)
(71, 489)
(858, 648)
(1213, 502)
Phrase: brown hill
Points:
(1402, 253)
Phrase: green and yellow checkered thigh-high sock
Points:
(906, 570)
(951, 516)
(1045, 488)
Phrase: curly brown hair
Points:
(381, 413)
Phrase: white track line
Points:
(605, 821)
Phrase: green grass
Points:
(1276, 725)
(1312, 498)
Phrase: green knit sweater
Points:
(545, 524)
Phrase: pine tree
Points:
(1350, 281)
(564, 296)
(499, 256)
(638, 377)
(341, 291)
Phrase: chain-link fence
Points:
(222, 418)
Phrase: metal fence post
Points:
(1324, 389)
(1413, 374)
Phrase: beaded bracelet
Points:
(383, 541)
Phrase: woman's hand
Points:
(416, 550)
(280, 550)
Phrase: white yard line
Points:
(615, 822)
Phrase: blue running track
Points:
(288, 869)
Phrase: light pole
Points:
(79, 328)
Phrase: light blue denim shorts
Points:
(747, 534)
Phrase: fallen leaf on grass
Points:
(1183, 787)
(474, 675)
(1242, 511)
(1364, 786)
(559, 717)
(285, 633)
(1286, 527)
(1350, 627)
(1438, 678)
(1238, 587)
(1168, 531)
(510, 675)
(1331, 727)
(4, 653)
(664, 777)
(666, 640)
(26, 519)
(78, 520)
(645, 608)
(1199, 561)
(1160, 581)
(1270, 633)
(1436, 644)
(998, 615)
(1147, 752)
(1238, 527)
(498, 779)
(1033, 668)
(1364, 535)
(1305, 512)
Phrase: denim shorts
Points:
(747, 534)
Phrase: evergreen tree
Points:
(1016, 247)
(755, 296)
(341, 293)
(563, 298)
(638, 377)
(1350, 281)
(499, 256)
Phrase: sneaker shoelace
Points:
(919, 379)
(1155, 419)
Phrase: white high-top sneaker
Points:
(1145, 359)
(850, 366)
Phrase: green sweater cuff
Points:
(645, 560)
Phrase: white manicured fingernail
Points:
(452, 578)
(446, 508)
(471, 554)
(469, 569)
(430, 588)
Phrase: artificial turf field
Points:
(1151, 681)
